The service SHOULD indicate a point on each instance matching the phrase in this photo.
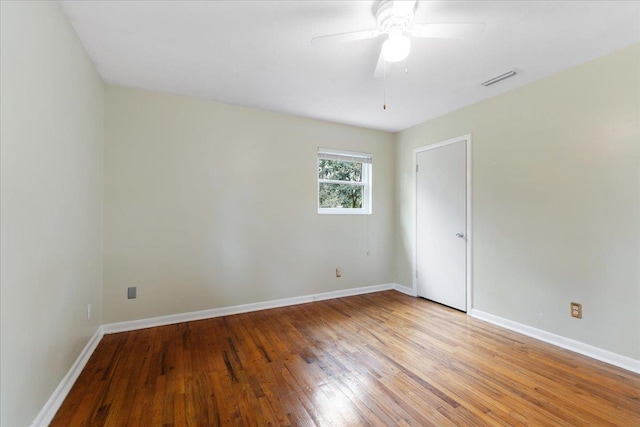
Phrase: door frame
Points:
(468, 231)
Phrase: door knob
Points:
(460, 235)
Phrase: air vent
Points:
(499, 78)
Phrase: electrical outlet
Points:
(338, 272)
(88, 311)
(131, 292)
(576, 310)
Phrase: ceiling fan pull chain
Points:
(384, 85)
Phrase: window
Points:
(344, 182)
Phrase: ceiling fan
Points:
(394, 19)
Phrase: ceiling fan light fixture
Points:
(396, 48)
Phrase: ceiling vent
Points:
(499, 78)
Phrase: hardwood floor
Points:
(376, 359)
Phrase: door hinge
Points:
(416, 168)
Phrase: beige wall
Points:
(210, 205)
(51, 195)
(556, 201)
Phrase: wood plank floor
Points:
(376, 359)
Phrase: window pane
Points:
(339, 170)
(340, 196)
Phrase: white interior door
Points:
(441, 224)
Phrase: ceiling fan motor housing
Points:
(386, 20)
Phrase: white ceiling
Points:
(258, 53)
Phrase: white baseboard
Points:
(50, 408)
(132, 325)
(606, 356)
(55, 401)
(405, 290)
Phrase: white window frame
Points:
(348, 156)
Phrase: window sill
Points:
(344, 212)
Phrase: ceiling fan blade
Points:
(403, 7)
(381, 67)
(346, 37)
(458, 31)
